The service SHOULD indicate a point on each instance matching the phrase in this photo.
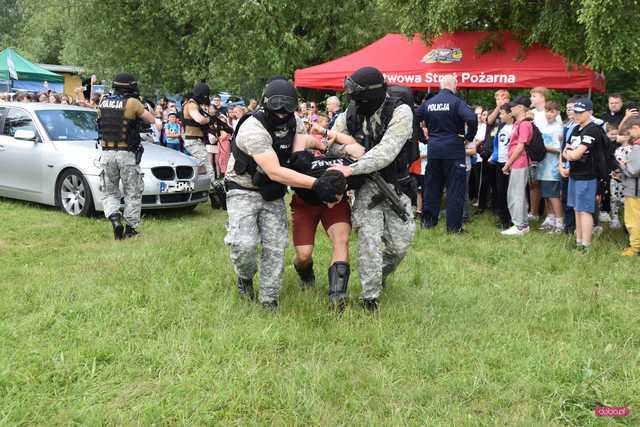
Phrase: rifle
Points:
(216, 124)
(387, 193)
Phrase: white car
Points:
(49, 154)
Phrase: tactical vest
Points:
(191, 122)
(282, 145)
(398, 170)
(115, 132)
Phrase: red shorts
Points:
(305, 218)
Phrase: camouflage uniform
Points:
(196, 149)
(383, 238)
(253, 221)
(121, 166)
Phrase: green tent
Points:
(25, 69)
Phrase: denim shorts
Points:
(581, 195)
(550, 189)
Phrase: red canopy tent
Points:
(412, 63)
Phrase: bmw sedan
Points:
(49, 155)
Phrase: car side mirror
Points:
(25, 135)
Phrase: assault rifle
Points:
(388, 193)
(216, 124)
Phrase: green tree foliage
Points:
(171, 44)
(599, 33)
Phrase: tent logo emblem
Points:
(443, 56)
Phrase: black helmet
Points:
(280, 97)
(125, 83)
(201, 93)
(366, 87)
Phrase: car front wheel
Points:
(73, 194)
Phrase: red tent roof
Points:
(411, 63)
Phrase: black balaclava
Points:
(201, 93)
(368, 100)
(282, 88)
(125, 83)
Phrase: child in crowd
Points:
(548, 174)
(499, 157)
(583, 182)
(416, 170)
(517, 166)
(616, 188)
(172, 132)
(630, 167)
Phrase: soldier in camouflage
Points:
(383, 237)
(256, 183)
(119, 116)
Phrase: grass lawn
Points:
(473, 330)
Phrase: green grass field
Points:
(473, 330)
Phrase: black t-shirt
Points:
(590, 135)
(613, 118)
(316, 166)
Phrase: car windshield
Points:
(69, 125)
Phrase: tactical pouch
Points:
(272, 191)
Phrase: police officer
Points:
(119, 121)
(257, 181)
(383, 125)
(446, 115)
(196, 128)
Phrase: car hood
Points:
(154, 155)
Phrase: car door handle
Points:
(2, 148)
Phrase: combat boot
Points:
(129, 232)
(245, 288)
(306, 274)
(371, 305)
(118, 228)
(338, 280)
(270, 305)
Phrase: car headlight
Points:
(96, 162)
(202, 170)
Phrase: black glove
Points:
(301, 161)
(329, 186)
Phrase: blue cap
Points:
(582, 105)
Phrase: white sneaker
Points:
(549, 223)
(604, 217)
(597, 230)
(515, 231)
(532, 217)
(615, 223)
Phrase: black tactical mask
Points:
(367, 89)
(279, 102)
(201, 93)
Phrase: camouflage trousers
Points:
(253, 221)
(121, 166)
(383, 238)
(196, 148)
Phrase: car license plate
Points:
(176, 187)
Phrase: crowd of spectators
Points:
(566, 187)
(581, 184)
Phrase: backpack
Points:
(535, 148)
